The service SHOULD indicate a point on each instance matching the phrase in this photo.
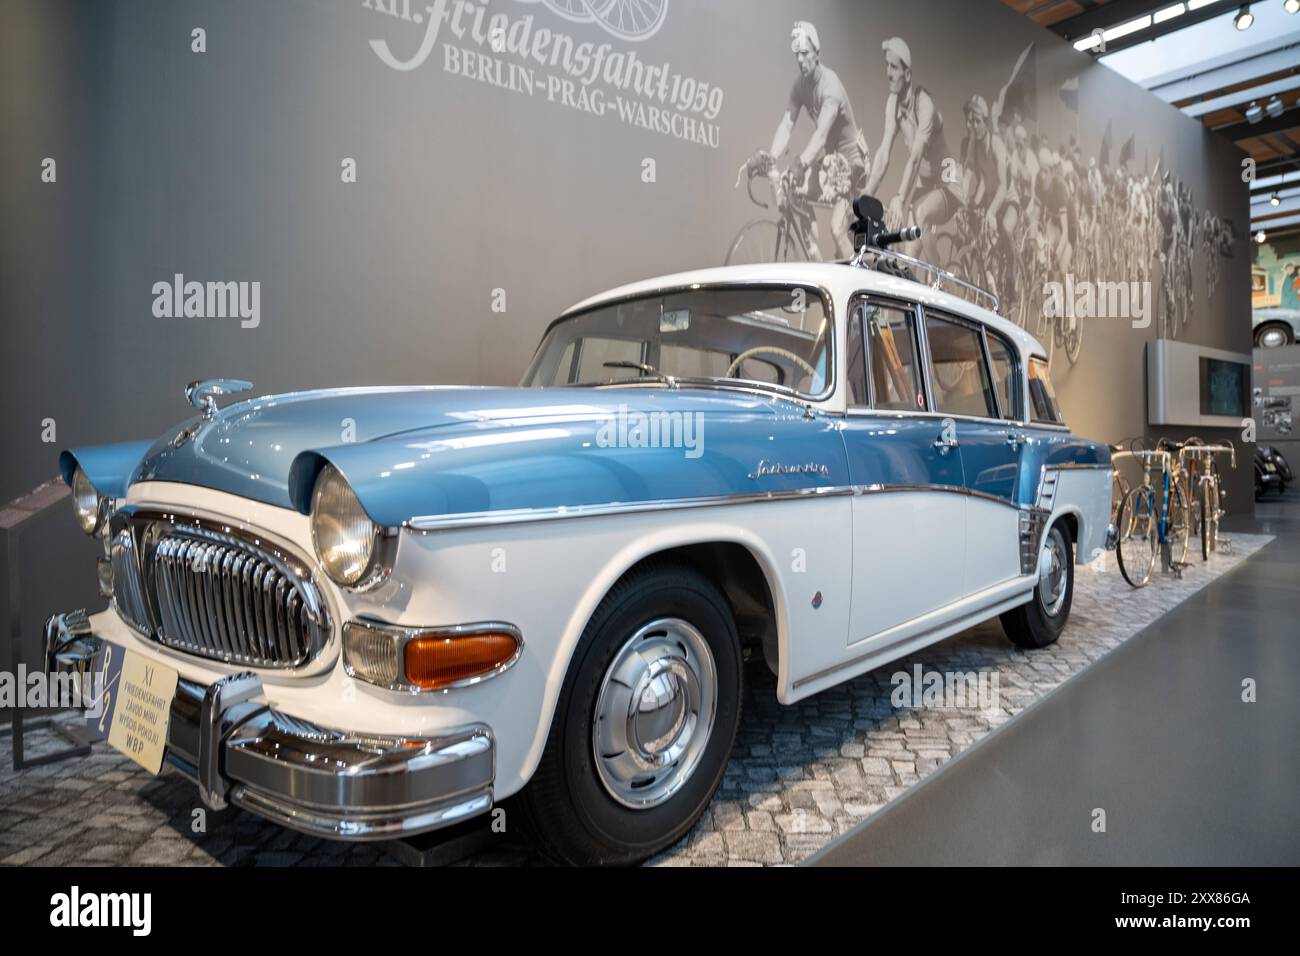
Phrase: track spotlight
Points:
(1274, 107)
(1260, 236)
(1254, 113)
(1291, 6)
(1244, 18)
(1275, 199)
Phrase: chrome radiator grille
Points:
(207, 591)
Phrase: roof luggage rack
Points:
(871, 239)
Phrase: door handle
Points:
(1016, 439)
(945, 445)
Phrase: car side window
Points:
(891, 354)
(856, 356)
(1005, 380)
(961, 380)
(1042, 397)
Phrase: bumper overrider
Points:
(327, 783)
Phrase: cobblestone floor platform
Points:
(799, 775)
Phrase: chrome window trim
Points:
(400, 635)
(828, 300)
(427, 523)
(937, 416)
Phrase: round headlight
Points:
(85, 502)
(343, 534)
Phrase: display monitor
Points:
(1225, 387)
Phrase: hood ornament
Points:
(203, 396)
(203, 393)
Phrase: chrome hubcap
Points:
(1053, 574)
(654, 713)
(1272, 338)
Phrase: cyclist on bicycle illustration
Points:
(990, 190)
(911, 111)
(836, 138)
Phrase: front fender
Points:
(477, 472)
(110, 468)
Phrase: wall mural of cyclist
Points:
(420, 186)
(1013, 208)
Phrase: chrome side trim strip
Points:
(524, 515)
(950, 489)
(427, 523)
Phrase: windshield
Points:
(769, 337)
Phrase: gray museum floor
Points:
(1149, 728)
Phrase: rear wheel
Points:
(1039, 622)
(1273, 335)
(644, 724)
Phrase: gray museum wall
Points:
(472, 190)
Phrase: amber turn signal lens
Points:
(436, 662)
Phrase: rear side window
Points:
(1042, 397)
(1005, 380)
(962, 385)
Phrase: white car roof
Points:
(839, 279)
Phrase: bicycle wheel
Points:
(629, 19)
(1177, 523)
(1206, 506)
(1074, 341)
(758, 241)
(1135, 550)
(946, 249)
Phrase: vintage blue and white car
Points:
(389, 608)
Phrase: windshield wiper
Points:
(645, 369)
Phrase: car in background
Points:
(1275, 327)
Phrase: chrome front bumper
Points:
(328, 783)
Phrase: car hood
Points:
(432, 450)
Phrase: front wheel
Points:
(1039, 622)
(1207, 513)
(1135, 551)
(644, 724)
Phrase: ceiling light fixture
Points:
(1259, 236)
(1244, 18)
(1254, 112)
(1274, 107)
(1291, 6)
(1177, 10)
(1275, 199)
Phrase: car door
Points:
(974, 380)
(909, 526)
